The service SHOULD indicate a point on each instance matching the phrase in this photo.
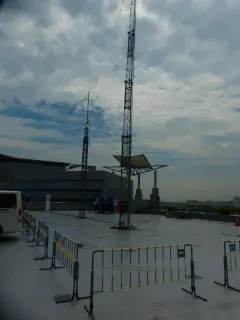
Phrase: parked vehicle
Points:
(10, 211)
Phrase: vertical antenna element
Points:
(126, 151)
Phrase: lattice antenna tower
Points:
(126, 150)
(85, 145)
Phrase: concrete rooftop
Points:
(26, 293)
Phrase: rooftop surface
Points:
(4, 157)
(26, 293)
(61, 164)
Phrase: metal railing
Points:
(31, 228)
(65, 251)
(42, 239)
(231, 261)
(118, 269)
(24, 223)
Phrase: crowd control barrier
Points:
(231, 262)
(24, 220)
(118, 269)
(24, 223)
(65, 251)
(42, 239)
(31, 228)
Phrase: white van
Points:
(10, 210)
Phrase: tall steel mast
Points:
(85, 160)
(126, 152)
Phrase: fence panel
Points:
(24, 223)
(231, 262)
(42, 239)
(31, 228)
(118, 269)
(65, 251)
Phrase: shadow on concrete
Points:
(9, 239)
(7, 313)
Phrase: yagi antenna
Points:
(87, 122)
(76, 104)
(85, 147)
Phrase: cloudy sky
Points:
(186, 95)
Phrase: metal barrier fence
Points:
(42, 239)
(28, 218)
(24, 220)
(117, 269)
(231, 261)
(65, 251)
(24, 223)
(31, 228)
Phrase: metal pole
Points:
(139, 180)
(126, 149)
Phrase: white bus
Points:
(10, 211)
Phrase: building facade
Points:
(36, 178)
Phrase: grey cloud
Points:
(197, 57)
(90, 8)
(39, 11)
(205, 33)
(43, 65)
(215, 141)
(104, 38)
(202, 41)
(182, 57)
(55, 61)
(12, 64)
(27, 90)
(3, 35)
(235, 96)
(146, 31)
(219, 21)
(202, 130)
(214, 20)
(181, 126)
(97, 10)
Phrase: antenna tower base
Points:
(123, 227)
(81, 215)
